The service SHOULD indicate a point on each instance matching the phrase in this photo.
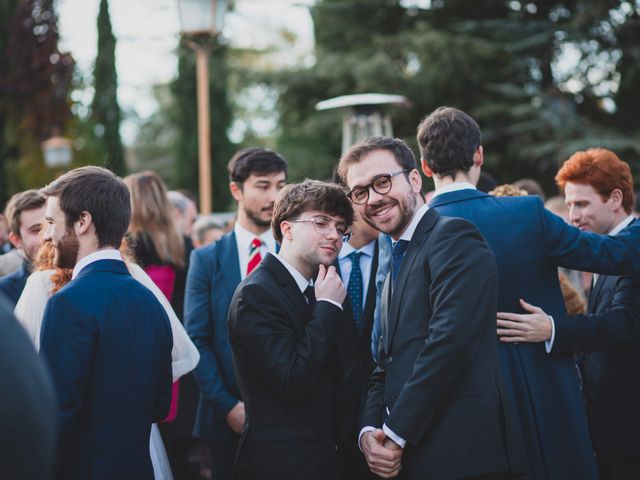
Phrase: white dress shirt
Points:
(243, 241)
(453, 187)
(106, 254)
(302, 282)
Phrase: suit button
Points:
(389, 360)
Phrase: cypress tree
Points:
(105, 109)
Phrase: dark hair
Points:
(400, 150)
(101, 193)
(603, 170)
(448, 139)
(27, 200)
(297, 198)
(257, 161)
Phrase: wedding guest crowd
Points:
(346, 330)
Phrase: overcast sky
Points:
(147, 35)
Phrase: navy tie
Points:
(397, 254)
(310, 295)
(355, 288)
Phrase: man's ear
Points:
(478, 157)
(83, 223)
(425, 168)
(286, 228)
(416, 180)
(15, 240)
(616, 198)
(236, 191)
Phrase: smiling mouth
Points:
(382, 211)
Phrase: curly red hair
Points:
(603, 170)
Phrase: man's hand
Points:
(382, 454)
(329, 285)
(235, 417)
(531, 327)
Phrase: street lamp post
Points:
(201, 20)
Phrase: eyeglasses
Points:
(323, 225)
(381, 185)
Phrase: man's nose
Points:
(47, 233)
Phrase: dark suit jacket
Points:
(107, 341)
(27, 405)
(610, 332)
(529, 244)
(439, 373)
(12, 285)
(354, 364)
(281, 349)
(213, 276)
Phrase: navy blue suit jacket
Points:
(529, 244)
(214, 274)
(610, 333)
(12, 285)
(107, 341)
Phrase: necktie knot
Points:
(254, 255)
(400, 247)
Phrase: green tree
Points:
(34, 87)
(106, 113)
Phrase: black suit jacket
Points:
(281, 348)
(12, 285)
(354, 364)
(610, 332)
(27, 405)
(439, 373)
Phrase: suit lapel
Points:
(288, 286)
(229, 261)
(415, 246)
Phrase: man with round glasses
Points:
(282, 330)
(434, 407)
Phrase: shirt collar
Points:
(106, 254)
(302, 282)
(623, 224)
(347, 249)
(453, 187)
(408, 233)
(245, 237)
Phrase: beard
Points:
(256, 217)
(407, 206)
(67, 250)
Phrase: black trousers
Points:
(222, 454)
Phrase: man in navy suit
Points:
(106, 338)
(435, 406)
(256, 175)
(25, 214)
(529, 244)
(598, 189)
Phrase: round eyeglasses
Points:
(323, 225)
(381, 185)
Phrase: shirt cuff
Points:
(548, 344)
(330, 301)
(392, 435)
(362, 432)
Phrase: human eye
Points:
(359, 194)
(321, 222)
(341, 228)
(382, 183)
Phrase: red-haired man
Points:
(598, 190)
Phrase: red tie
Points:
(254, 255)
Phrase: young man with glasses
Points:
(434, 407)
(256, 176)
(282, 330)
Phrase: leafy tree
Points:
(106, 113)
(34, 86)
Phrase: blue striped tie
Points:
(397, 254)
